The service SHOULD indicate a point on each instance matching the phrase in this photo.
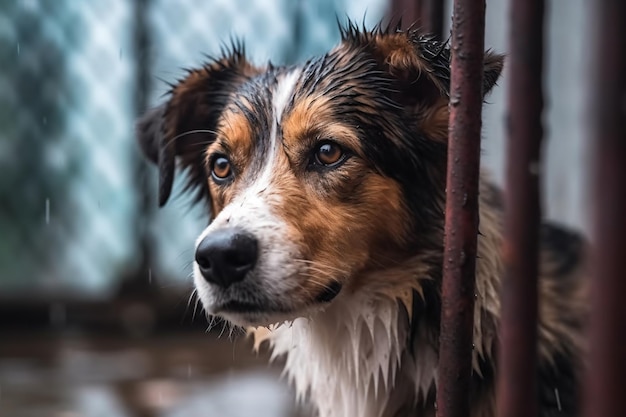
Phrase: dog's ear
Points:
(183, 127)
(420, 67)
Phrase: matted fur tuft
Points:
(430, 54)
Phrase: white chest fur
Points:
(351, 358)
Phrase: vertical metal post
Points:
(432, 12)
(461, 228)
(517, 362)
(409, 10)
(143, 78)
(604, 391)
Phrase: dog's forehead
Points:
(252, 119)
(327, 74)
(255, 98)
(340, 84)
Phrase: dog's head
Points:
(312, 173)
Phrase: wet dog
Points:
(325, 184)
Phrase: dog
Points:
(325, 184)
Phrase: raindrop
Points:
(45, 121)
(150, 276)
(188, 371)
(47, 211)
(558, 398)
(120, 53)
(473, 346)
(18, 48)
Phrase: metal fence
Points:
(517, 391)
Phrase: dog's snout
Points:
(225, 256)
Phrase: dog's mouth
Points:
(244, 307)
(247, 307)
(244, 313)
(257, 312)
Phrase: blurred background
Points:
(96, 312)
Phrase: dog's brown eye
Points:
(329, 154)
(221, 168)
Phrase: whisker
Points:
(195, 307)
(319, 283)
(224, 326)
(320, 265)
(191, 132)
(322, 272)
(189, 300)
(211, 320)
(312, 279)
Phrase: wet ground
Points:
(187, 374)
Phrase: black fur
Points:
(559, 393)
(564, 246)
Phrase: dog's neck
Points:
(346, 358)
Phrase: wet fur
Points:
(371, 230)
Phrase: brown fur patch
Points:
(400, 57)
(340, 238)
(433, 120)
(235, 134)
(345, 219)
(312, 119)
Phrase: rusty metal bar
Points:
(461, 228)
(432, 12)
(517, 374)
(604, 391)
(409, 10)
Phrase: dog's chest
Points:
(352, 359)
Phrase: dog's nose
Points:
(225, 256)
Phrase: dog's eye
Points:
(221, 168)
(329, 154)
